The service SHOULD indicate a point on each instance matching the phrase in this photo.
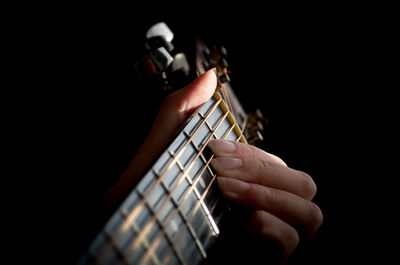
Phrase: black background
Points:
(314, 71)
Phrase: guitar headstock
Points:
(167, 69)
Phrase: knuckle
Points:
(251, 151)
(263, 166)
(269, 195)
(245, 150)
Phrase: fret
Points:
(198, 168)
(136, 211)
(180, 191)
(161, 164)
(210, 128)
(212, 120)
(168, 208)
(232, 136)
(188, 156)
(212, 222)
(164, 206)
(204, 110)
(155, 202)
(171, 178)
(141, 250)
(189, 227)
(147, 183)
(131, 201)
(165, 213)
(213, 196)
(173, 222)
(201, 226)
(192, 253)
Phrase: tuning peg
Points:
(224, 77)
(161, 59)
(159, 35)
(158, 41)
(223, 63)
(160, 29)
(260, 116)
(181, 64)
(254, 126)
(256, 137)
(223, 50)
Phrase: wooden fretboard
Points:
(173, 213)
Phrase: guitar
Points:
(172, 215)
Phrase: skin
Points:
(279, 196)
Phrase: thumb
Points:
(197, 93)
(179, 105)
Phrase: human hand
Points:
(279, 197)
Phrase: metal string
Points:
(149, 225)
(157, 241)
(165, 260)
(134, 214)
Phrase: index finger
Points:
(250, 164)
(230, 148)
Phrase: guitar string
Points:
(187, 221)
(200, 201)
(150, 224)
(166, 259)
(135, 212)
(157, 241)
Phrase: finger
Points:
(231, 148)
(302, 214)
(179, 105)
(250, 164)
(271, 227)
(197, 93)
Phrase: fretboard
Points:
(172, 215)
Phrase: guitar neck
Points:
(173, 213)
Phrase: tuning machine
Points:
(253, 126)
(161, 66)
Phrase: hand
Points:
(279, 197)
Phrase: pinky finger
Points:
(271, 227)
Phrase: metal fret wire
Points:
(149, 225)
(166, 259)
(134, 214)
(156, 242)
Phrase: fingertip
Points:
(222, 147)
(198, 92)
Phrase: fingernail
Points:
(222, 183)
(221, 147)
(214, 69)
(232, 186)
(226, 163)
